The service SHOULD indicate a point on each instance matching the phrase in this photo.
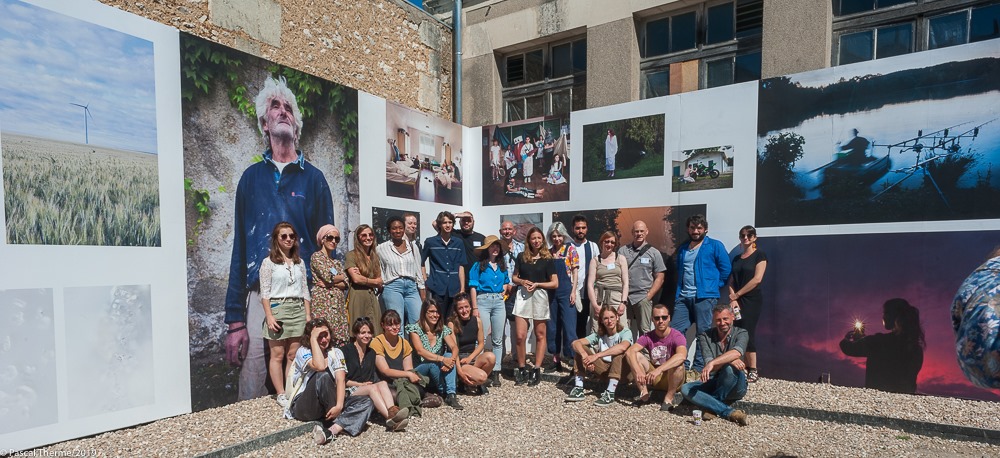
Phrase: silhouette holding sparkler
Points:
(894, 358)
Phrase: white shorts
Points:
(533, 305)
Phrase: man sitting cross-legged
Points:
(657, 359)
(610, 342)
(723, 380)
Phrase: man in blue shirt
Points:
(281, 187)
(447, 257)
(703, 268)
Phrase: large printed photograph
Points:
(263, 144)
(78, 137)
(423, 158)
(526, 162)
(624, 148)
(814, 316)
(910, 138)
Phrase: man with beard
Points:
(587, 250)
(703, 267)
(723, 380)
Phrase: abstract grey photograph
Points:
(109, 349)
(27, 360)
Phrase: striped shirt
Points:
(400, 265)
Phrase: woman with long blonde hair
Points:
(535, 276)
(364, 269)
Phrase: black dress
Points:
(751, 302)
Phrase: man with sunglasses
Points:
(723, 381)
(283, 186)
(657, 359)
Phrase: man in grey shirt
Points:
(724, 379)
(645, 278)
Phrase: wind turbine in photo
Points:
(86, 126)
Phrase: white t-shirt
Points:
(584, 264)
(300, 368)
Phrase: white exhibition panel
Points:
(105, 326)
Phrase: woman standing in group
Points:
(359, 358)
(473, 363)
(528, 159)
(562, 303)
(318, 381)
(607, 281)
(329, 283)
(429, 336)
(744, 292)
(365, 271)
(284, 294)
(535, 276)
(610, 152)
(400, 262)
(488, 281)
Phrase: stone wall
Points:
(387, 48)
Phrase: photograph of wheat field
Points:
(78, 140)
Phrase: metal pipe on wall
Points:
(456, 94)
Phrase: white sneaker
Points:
(321, 435)
(282, 401)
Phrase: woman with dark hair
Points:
(284, 294)
(744, 293)
(329, 283)
(535, 277)
(473, 364)
(562, 303)
(894, 358)
(488, 284)
(607, 281)
(428, 338)
(317, 385)
(359, 358)
(365, 272)
(400, 262)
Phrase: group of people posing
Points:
(422, 313)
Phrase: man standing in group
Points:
(723, 380)
(703, 268)
(281, 187)
(587, 250)
(645, 278)
(447, 258)
(470, 238)
(511, 250)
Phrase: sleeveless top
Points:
(470, 336)
(608, 282)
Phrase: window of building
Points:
(874, 29)
(723, 35)
(545, 81)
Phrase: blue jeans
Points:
(562, 323)
(687, 308)
(444, 385)
(493, 313)
(727, 385)
(403, 296)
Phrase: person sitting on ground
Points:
(602, 354)
(723, 380)
(428, 337)
(474, 364)
(362, 379)
(394, 363)
(657, 359)
(317, 387)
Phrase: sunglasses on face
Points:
(661, 318)
(745, 236)
(286, 236)
(332, 238)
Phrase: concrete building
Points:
(528, 58)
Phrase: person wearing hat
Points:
(488, 282)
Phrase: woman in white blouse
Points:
(285, 297)
(400, 261)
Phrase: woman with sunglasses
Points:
(404, 283)
(607, 281)
(745, 295)
(365, 272)
(320, 387)
(535, 276)
(429, 338)
(362, 379)
(284, 294)
(329, 283)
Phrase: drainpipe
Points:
(456, 21)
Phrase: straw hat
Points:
(490, 240)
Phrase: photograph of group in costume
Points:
(526, 161)
(624, 148)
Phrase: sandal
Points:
(752, 376)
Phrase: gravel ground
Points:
(535, 421)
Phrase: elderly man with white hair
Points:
(281, 187)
